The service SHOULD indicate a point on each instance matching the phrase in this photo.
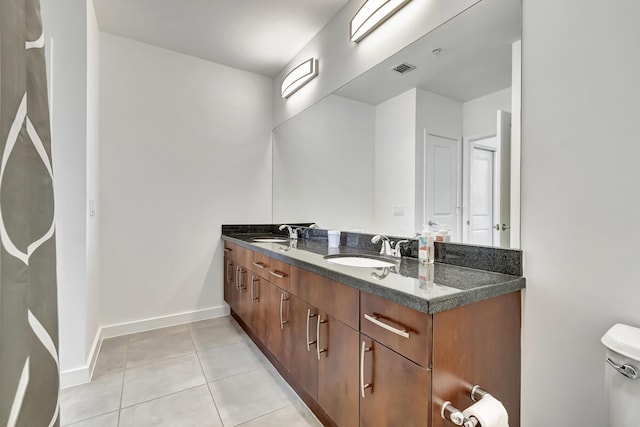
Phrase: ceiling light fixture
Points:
(371, 14)
(298, 77)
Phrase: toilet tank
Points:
(622, 375)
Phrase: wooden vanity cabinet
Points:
(358, 359)
(394, 391)
(230, 291)
(243, 265)
(260, 297)
(303, 363)
(395, 356)
(278, 324)
(338, 370)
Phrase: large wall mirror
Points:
(431, 135)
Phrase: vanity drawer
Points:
(335, 299)
(261, 263)
(407, 331)
(279, 273)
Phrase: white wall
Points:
(479, 115)
(581, 64)
(65, 26)
(93, 256)
(185, 146)
(335, 138)
(395, 142)
(341, 60)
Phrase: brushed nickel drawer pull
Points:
(374, 319)
(309, 316)
(253, 291)
(282, 321)
(259, 264)
(318, 349)
(229, 264)
(278, 274)
(240, 281)
(363, 386)
(228, 250)
(237, 277)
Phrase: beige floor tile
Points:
(161, 378)
(112, 356)
(247, 396)
(295, 414)
(222, 362)
(153, 346)
(209, 337)
(85, 401)
(107, 420)
(157, 333)
(193, 407)
(216, 321)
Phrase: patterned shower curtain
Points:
(29, 371)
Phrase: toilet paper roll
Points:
(489, 411)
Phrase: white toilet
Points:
(622, 375)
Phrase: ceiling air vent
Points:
(403, 68)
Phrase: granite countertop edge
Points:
(430, 306)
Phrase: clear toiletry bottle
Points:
(425, 245)
(443, 235)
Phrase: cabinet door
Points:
(245, 305)
(394, 391)
(338, 370)
(279, 328)
(259, 293)
(230, 291)
(303, 364)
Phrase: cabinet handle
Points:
(282, 321)
(253, 292)
(228, 250)
(229, 264)
(374, 319)
(237, 278)
(363, 386)
(243, 272)
(278, 274)
(309, 316)
(318, 349)
(259, 265)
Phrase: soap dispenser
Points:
(425, 245)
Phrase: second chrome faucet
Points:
(388, 247)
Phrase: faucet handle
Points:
(293, 234)
(397, 250)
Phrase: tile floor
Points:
(206, 373)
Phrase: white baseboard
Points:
(111, 331)
(83, 375)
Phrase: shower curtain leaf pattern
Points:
(29, 365)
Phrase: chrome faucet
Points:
(293, 233)
(397, 249)
(385, 248)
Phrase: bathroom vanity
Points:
(376, 347)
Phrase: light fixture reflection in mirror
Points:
(298, 77)
(371, 15)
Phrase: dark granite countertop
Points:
(427, 288)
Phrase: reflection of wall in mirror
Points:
(323, 166)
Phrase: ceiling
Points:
(474, 58)
(253, 35)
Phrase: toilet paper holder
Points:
(453, 414)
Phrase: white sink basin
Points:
(359, 261)
(271, 240)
